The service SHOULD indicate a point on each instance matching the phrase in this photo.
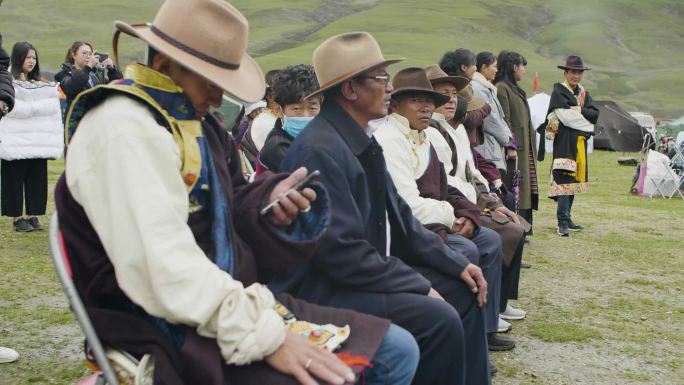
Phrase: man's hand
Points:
(291, 203)
(511, 153)
(434, 294)
(505, 211)
(464, 227)
(472, 276)
(303, 360)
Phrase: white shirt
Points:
(407, 154)
(123, 168)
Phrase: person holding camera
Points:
(84, 69)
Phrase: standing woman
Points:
(30, 134)
(497, 134)
(83, 70)
(513, 100)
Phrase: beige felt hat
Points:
(344, 56)
(474, 102)
(437, 75)
(208, 37)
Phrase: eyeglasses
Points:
(382, 79)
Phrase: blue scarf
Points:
(206, 193)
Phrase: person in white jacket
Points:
(29, 135)
(497, 134)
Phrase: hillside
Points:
(634, 47)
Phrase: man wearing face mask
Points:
(290, 86)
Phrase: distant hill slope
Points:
(635, 48)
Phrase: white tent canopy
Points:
(539, 105)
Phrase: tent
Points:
(617, 130)
(539, 106)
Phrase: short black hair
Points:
(452, 61)
(485, 58)
(461, 108)
(291, 84)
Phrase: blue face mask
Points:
(293, 126)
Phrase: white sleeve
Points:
(398, 155)
(126, 177)
(574, 119)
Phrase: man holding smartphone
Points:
(365, 259)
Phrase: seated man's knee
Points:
(464, 246)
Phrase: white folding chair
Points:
(669, 182)
(60, 258)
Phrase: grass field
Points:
(634, 47)
(606, 306)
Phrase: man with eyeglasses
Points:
(364, 259)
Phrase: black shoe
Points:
(563, 229)
(35, 223)
(572, 226)
(492, 369)
(22, 225)
(498, 343)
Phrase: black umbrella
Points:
(616, 129)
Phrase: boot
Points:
(563, 229)
(572, 226)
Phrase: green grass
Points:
(604, 305)
(634, 47)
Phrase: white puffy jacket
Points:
(33, 129)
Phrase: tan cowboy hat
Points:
(344, 56)
(437, 75)
(474, 102)
(415, 80)
(208, 37)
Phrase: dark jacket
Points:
(6, 87)
(256, 247)
(565, 141)
(350, 267)
(517, 114)
(275, 147)
(73, 81)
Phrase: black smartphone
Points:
(102, 56)
(298, 187)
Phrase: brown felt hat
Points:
(345, 56)
(573, 62)
(474, 102)
(415, 80)
(209, 37)
(437, 75)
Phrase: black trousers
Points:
(510, 277)
(450, 334)
(458, 295)
(23, 178)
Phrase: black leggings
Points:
(19, 178)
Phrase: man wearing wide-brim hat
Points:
(419, 177)
(363, 260)
(450, 140)
(164, 234)
(570, 123)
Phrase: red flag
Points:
(535, 82)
